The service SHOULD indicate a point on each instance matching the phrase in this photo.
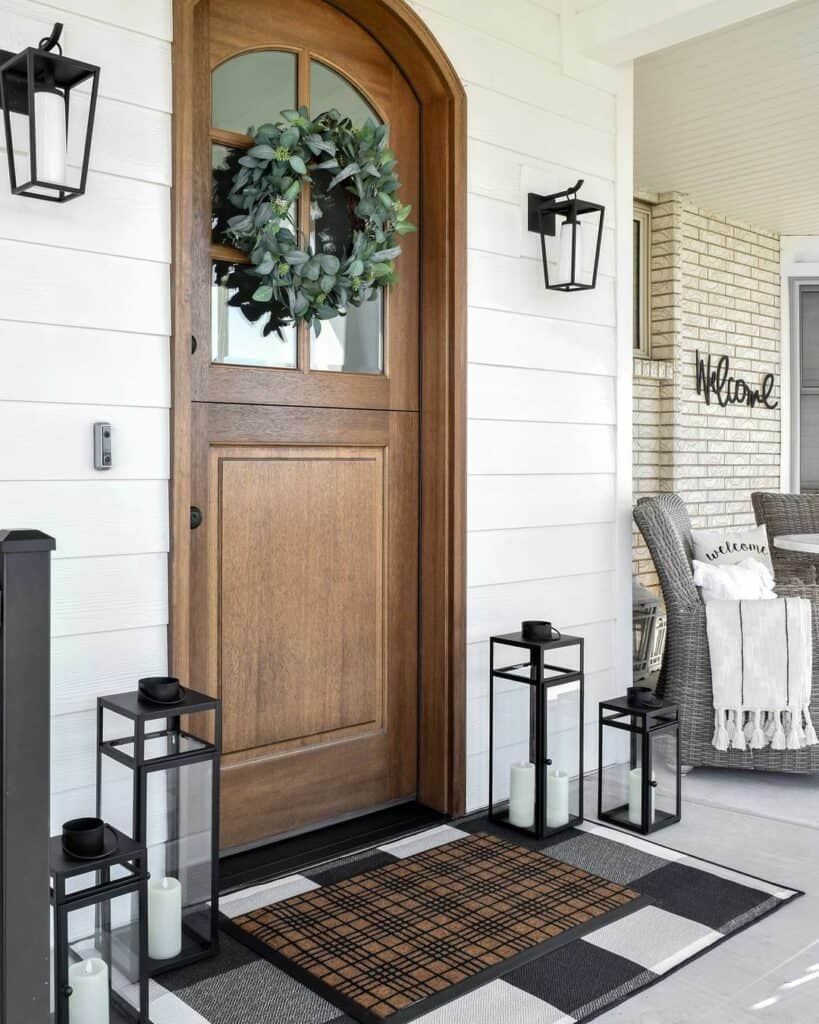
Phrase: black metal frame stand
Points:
(25, 700)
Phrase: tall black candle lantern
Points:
(99, 905)
(536, 730)
(158, 779)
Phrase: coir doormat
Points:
(393, 942)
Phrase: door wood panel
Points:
(305, 577)
(307, 522)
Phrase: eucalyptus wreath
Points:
(291, 278)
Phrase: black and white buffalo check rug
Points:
(660, 909)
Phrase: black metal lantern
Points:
(638, 781)
(99, 909)
(158, 779)
(535, 734)
(44, 128)
(571, 232)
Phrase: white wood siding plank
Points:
(95, 595)
(503, 338)
(502, 608)
(514, 393)
(109, 517)
(55, 442)
(88, 666)
(516, 73)
(513, 124)
(514, 502)
(60, 286)
(529, 26)
(500, 447)
(121, 217)
(543, 552)
(43, 363)
(151, 17)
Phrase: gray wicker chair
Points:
(788, 513)
(686, 674)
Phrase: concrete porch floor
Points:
(766, 825)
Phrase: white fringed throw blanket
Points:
(761, 669)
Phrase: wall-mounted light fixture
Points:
(42, 127)
(571, 254)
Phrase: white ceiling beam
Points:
(621, 30)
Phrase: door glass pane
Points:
(353, 343)
(251, 89)
(235, 338)
(809, 332)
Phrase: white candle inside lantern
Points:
(522, 794)
(49, 118)
(557, 798)
(635, 798)
(164, 918)
(564, 263)
(89, 1001)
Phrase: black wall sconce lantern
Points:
(567, 252)
(37, 84)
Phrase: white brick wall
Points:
(715, 288)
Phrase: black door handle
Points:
(196, 517)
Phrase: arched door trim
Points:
(442, 651)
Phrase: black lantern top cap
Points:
(518, 640)
(131, 705)
(666, 710)
(50, 71)
(64, 865)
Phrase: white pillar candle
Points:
(557, 798)
(522, 795)
(635, 798)
(89, 1001)
(164, 918)
(49, 117)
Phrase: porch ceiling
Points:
(731, 119)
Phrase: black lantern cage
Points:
(100, 935)
(571, 234)
(639, 775)
(47, 127)
(158, 780)
(536, 712)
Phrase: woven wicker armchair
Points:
(783, 514)
(686, 674)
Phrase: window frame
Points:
(642, 260)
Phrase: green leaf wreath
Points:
(291, 279)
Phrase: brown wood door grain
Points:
(304, 573)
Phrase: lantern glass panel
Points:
(664, 760)
(179, 831)
(621, 774)
(563, 775)
(103, 966)
(513, 760)
(571, 251)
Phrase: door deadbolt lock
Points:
(196, 517)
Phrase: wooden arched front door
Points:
(320, 596)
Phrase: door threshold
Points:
(291, 854)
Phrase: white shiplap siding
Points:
(84, 325)
(542, 401)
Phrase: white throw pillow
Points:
(749, 580)
(727, 547)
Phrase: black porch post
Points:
(25, 628)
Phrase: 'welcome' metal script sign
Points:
(718, 383)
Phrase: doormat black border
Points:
(447, 995)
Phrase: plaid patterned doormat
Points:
(687, 906)
(403, 934)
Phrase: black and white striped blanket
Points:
(761, 670)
